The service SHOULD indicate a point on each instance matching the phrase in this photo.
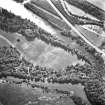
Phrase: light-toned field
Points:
(40, 53)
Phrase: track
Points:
(61, 12)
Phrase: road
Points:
(73, 28)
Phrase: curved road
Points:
(54, 5)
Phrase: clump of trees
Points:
(85, 74)
(30, 31)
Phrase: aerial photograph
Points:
(52, 52)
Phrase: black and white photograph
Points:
(52, 52)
